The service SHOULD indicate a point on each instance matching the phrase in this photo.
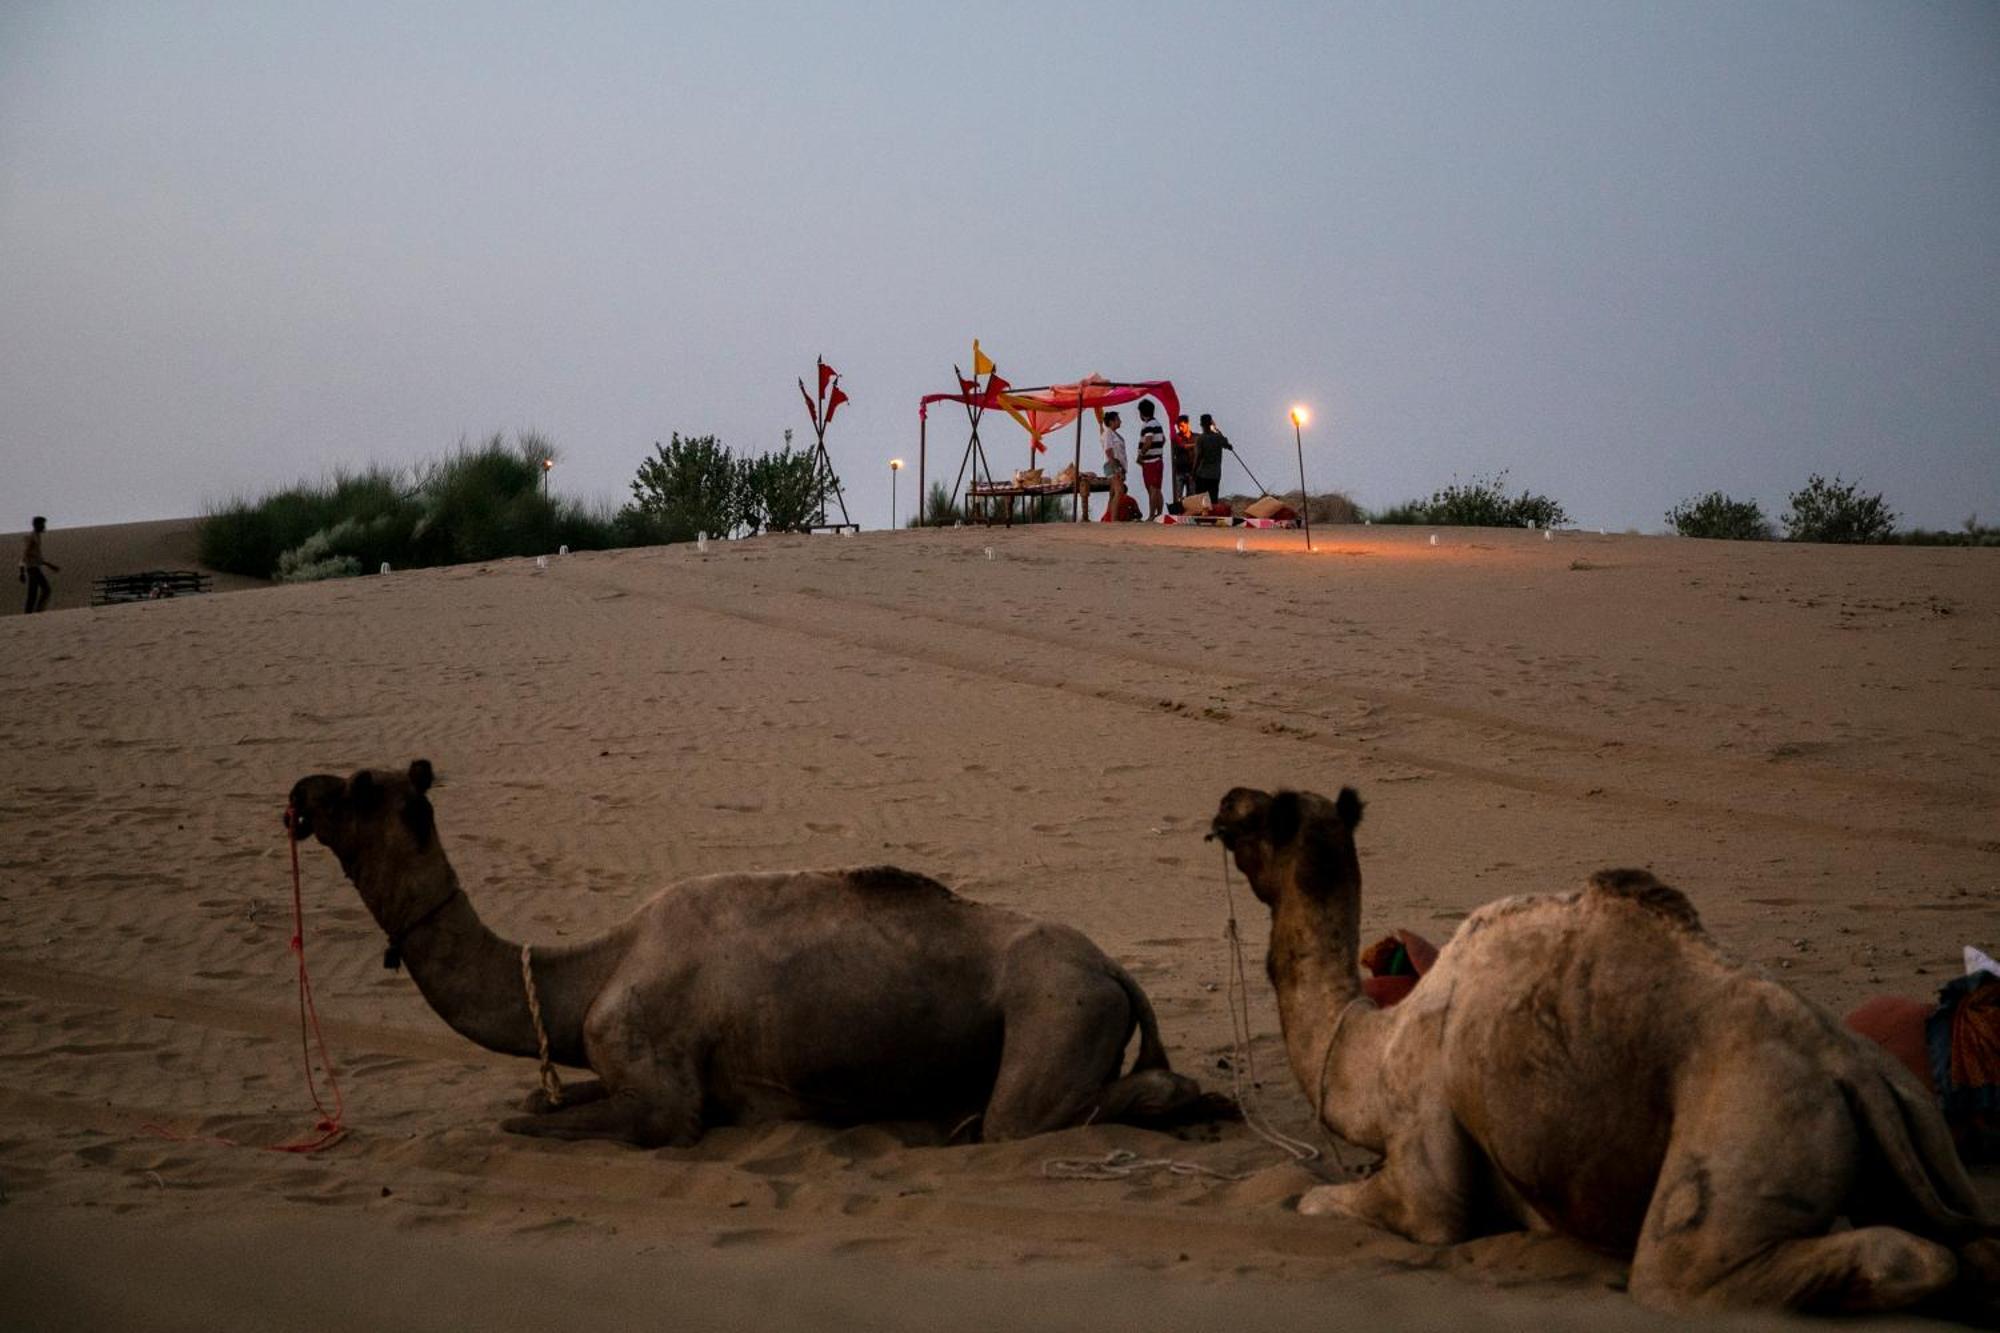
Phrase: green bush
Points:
(779, 492)
(478, 503)
(688, 487)
(1479, 503)
(1716, 515)
(1836, 511)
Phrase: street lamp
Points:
(1299, 418)
(895, 466)
(547, 464)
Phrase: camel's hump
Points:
(896, 881)
(1641, 889)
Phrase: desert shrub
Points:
(939, 510)
(1836, 511)
(1482, 502)
(1410, 511)
(688, 487)
(1969, 533)
(1716, 515)
(250, 537)
(477, 503)
(779, 492)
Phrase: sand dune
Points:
(1804, 739)
(85, 554)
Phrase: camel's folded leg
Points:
(625, 1116)
(648, 1096)
(1059, 1062)
(573, 1094)
(1424, 1188)
(1741, 1212)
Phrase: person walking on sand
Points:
(1114, 461)
(1208, 447)
(1152, 456)
(32, 565)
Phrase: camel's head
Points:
(1296, 838)
(379, 824)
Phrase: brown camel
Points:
(1591, 1062)
(842, 995)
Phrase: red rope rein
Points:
(331, 1126)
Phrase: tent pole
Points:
(1080, 502)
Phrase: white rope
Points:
(1254, 1114)
(551, 1081)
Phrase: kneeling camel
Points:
(1591, 1062)
(843, 995)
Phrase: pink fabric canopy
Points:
(1046, 410)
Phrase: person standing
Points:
(32, 565)
(1208, 447)
(1183, 457)
(1152, 456)
(1114, 462)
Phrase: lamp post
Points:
(1299, 418)
(547, 465)
(895, 466)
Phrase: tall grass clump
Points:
(1715, 515)
(938, 511)
(1482, 502)
(481, 502)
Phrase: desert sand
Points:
(1804, 739)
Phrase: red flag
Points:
(966, 386)
(1041, 448)
(826, 373)
(995, 386)
(833, 403)
(812, 408)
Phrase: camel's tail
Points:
(1152, 1052)
(1920, 1175)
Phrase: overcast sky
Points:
(1627, 251)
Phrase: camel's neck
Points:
(1331, 1040)
(472, 977)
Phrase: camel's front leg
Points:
(573, 1094)
(649, 1095)
(1423, 1190)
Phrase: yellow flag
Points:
(982, 364)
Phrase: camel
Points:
(1590, 1062)
(842, 995)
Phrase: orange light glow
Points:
(895, 465)
(548, 463)
(1300, 416)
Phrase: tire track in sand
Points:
(1151, 702)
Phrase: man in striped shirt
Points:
(1152, 453)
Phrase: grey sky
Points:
(1628, 251)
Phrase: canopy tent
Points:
(1045, 410)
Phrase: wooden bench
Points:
(148, 585)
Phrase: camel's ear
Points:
(422, 774)
(419, 818)
(1348, 806)
(1282, 820)
(362, 789)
